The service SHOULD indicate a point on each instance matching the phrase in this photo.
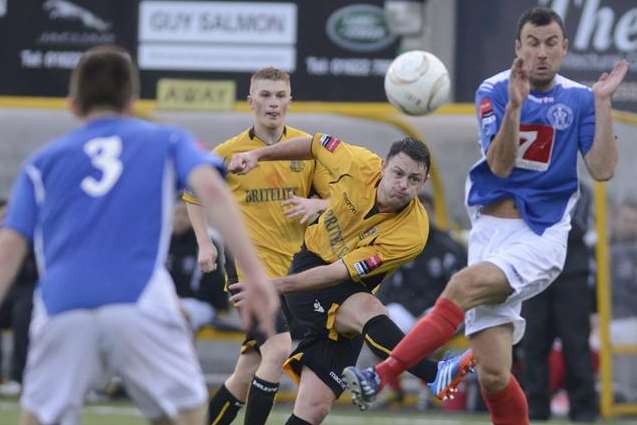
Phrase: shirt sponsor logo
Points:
(367, 265)
(335, 234)
(269, 194)
(560, 116)
(486, 108)
(329, 142)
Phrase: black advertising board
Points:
(599, 32)
(42, 40)
(336, 50)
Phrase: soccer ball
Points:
(417, 83)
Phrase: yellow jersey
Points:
(370, 243)
(260, 193)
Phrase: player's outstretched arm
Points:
(309, 280)
(13, 249)
(262, 300)
(601, 159)
(296, 148)
(504, 147)
(206, 250)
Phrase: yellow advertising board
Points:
(195, 95)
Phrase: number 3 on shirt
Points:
(536, 147)
(104, 153)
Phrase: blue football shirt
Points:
(98, 205)
(555, 125)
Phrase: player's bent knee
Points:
(357, 310)
(493, 379)
(313, 410)
(276, 349)
(194, 416)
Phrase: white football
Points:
(417, 83)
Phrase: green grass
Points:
(125, 414)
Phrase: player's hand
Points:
(519, 82)
(207, 257)
(257, 301)
(607, 84)
(306, 208)
(242, 163)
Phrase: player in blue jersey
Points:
(104, 302)
(533, 122)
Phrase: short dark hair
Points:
(414, 148)
(104, 78)
(540, 16)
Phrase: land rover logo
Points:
(359, 27)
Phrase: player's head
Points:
(541, 42)
(105, 80)
(405, 171)
(270, 95)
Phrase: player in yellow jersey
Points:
(272, 199)
(373, 224)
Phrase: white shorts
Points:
(77, 350)
(529, 261)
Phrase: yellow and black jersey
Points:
(260, 194)
(370, 243)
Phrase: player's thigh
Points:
(480, 283)
(357, 310)
(314, 399)
(63, 364)
(492, 348)
(156, 359)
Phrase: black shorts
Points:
(321, 348)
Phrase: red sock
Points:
(430, 333)
(508, 406)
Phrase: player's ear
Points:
(518, 46)
(565, 45)
(72, 106)
(250, 100)
(129, 108)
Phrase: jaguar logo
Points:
(63, 9)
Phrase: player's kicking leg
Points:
(365, 384)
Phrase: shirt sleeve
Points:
(187, 195)
(378, 259)
(333, 154)
(587, 123)
(188, 156)
(23, 211)
(490, 110)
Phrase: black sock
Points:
(260, 401)
(223, 407)
(382, 335)
(295, 420)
